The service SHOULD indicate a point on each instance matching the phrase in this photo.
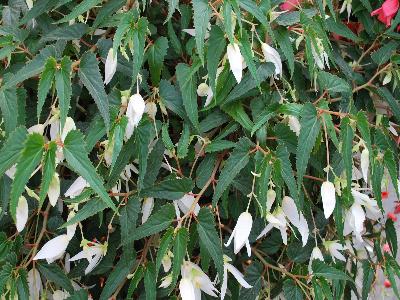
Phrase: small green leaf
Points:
(183, 144)
(368, 278)
(169, 189)
(46, 79)
(391, 236)
(320, 269)
(180, 244)
(12, 148)
(216, 47)
(128, 217)
(393, 103)
(137, 277)
(287, 172)
(156, 54)
(92, 207)
(49, 168)
(79, 9)
(291, 290)
(347, 134)
(333, 83)
(64, 89)
(53, 273)
(9, 109)
(165, 243)
(150, 281)
(201, 16)
(139, 39)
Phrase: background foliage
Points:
(330, 114)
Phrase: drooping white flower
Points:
(333, 248)
(76, 187)
(93, 252)
(134, 113)
(271, 55)
(235, 61)
(202, 89)
(271, 196)
(60, 295)
(315, 254)
(294, 124)
(68, 126)
(365, 164)
(193, 281)
(276, 220)
(184, 204)
(371, 206)
(235, 272)
(22, 213)
(347, 5)
(328, 198)
(147, 208)
(110, 66)
(354, 221)
(166, 261)
(296, 218)
(241, 233)
(54, 190)
(320, 56)
(53, 248)
(34, 284)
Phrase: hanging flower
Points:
(290, 5)
(34, 284)
(365, 164)
(354, 221)
(271, 55)
(22, 213)
(54, 190)
(93, 252)
(333, 247)
(347, 5)
(271, 196)
(235, 272)
(276, 220)
(147, 208)
(134, 112)
(387, 11)
(53, 249)
(110, 66)
(184, 204)
(328, 198)
(296, 218)
(235, 61)
(68, 126)
(193, 281)
(315, 254)
(241, 233)
(76, 187)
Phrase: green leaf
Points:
(363, 127)
(157, 222)
(264, 168)
(81, 294)
(106, 11)
(150, 281)
(238, 113)
(320, 269)
(156, 54)
(209, 238)
(376, 180)
(368, 278)
(155, 160)
(66, 33)
(310, 127)
(91, 208)
(165, 243)
(79, 9)
(53, 273)
(64, 89)
(340, 29)
(184, 140)
(393, 103)
(22, 284)
(180, 243)
(187, 80)
(46, 79)
(49, 168)
(139, 39)
(128, 217)
(253, 277)
(137, 277)
(118, 139)
(291, 290)
(283, 40)
(169, 189)
(201, 16)
(118, 275)
(29, 160)
(251, 7)
(77, 158)
(333, 83)
(12, 148)
(216, 47)
(391, 165)
(347, 134)
(391, 236)
(89, 74)
(238, 159)
(383, 54)
(9, 109)
(247, 53)
(172, 6)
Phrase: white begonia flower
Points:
(193, 281)
(93, 252)
(166, 281)
(294, 124)
(22, 213)
(151, 109)
(110, 66)
(166, 261)
(60, 295)
(76, 187)
(235, 272)
(54, 190)
(235, 59)
(333, 248)
(315, 254)
(347, 5)
(184, 204)
(68, 126)
(371, 206)
(277, 220)
(271, 196)
(34, 284)
(271, 55)
(320, 56)
(328, 198)
(354, 221)
(241, 233)
(202, 89)
(365, 164)
(296, 218)
(147, 208)
(134, 113)
(53, 249)
(71, 228)
(38, 128)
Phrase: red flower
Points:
(386, 248)
(387, 11)
(387, 283)
(290, 5)
(385, 195)
(392, 216)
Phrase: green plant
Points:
(146, 145)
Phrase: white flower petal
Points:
(110, 66)
(265, 231)
(38, 128)
(294, 124)
(365, 164)
(328, 198)
(224, 285)
(68, 126)
(76, 187)
(54, 190)
(186, 289)
(147, 208)
(22, 213)
(235, 61)
(296, 218)
(71, 228)
(186, 202)
(271, 196)
(242, 231)
(239, 276)
(53, 248)
(34, 284)
(271, 55)
(135, 110)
